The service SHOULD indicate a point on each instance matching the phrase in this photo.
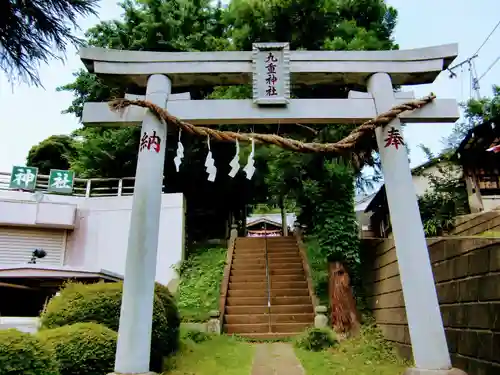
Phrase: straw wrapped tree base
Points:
(344, 315)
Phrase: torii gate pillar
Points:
(430, 349)
(134, 332)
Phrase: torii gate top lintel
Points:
(406, 67)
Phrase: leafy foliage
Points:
(316, 339)
(195, 336)
(101, 302)
(446, 197)
(23, 354)
(200, 25)
(328, 210)
(29, 31)
(55, 152)
(199, 288)
(82, 348)
(476, 111)
(366, 353)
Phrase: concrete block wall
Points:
(478, 224)
(467, 276)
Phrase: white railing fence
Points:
(83, 187)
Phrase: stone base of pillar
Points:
(418, 371)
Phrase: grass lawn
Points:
(220, 355)
(367, 354)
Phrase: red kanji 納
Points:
(148, 141)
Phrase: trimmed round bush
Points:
(101, 303)
(23, 354)
(172, 314)
(82, 348)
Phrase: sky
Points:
(30, 114)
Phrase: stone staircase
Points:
(247, 312)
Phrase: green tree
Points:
(198, 25)
(55, 152)
(476, 111)
(29, 31)
(446, 198)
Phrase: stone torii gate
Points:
(273, 68)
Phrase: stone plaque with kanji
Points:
(271, 73)
(23, 178)
(61, 181)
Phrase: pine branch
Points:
(35, 31)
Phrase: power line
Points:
(461, 64)
(489, 68)
(487, 38)
(474, 80)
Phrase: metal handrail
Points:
(268, 281)
(83, 187)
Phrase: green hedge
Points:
(101, 303)
(82, 348)
(23, 354)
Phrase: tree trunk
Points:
(344, 316)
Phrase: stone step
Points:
(288, 285)
(270, 259)
(246, 328)
(262, 301)
(290, 272)
(248, 266)
(258, 254)
(266, 328)
(268, 335)
(249, 260)
(242, 249)
(285, 259)
(276, 309)
(286, 271)
(246, 301)
(264, 318)
(242, 277)
(287, 255)
(262, 262)
(281, 240)
(286, 278)
(248, 278)
(273, 270)
(286, 266)
(249, 272)
(249, 285)
(263, 292)
(271, 265)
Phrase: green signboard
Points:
(23, 178)
(61, 181)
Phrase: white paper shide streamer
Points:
(210, 164)
(249, 168)
(180, 153)
(235, 163)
